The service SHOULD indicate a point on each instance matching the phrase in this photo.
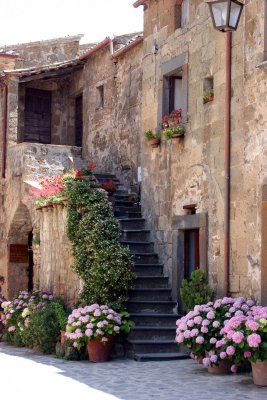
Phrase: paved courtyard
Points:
(29, 375)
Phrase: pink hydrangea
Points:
(254, 340)
(230, 350)
(200, 340)
(194, 332)
(216, 324)
(213, 340)
(252, 325)
(237, 337)
(204, 329)
(190, 323)
(205, 322)
(223, 355)
(210, 315)
(198, 319)
(234, 369)
(213, 358)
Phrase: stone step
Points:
(153, 269)
(135, 235)
(154, 319)
(143, 357)
(154, 306)
(138, 247)
(145, 258)
(104, 176)
(126, 208)
(123, 203)
(152, 333)
(120, 192)
(150, 294)
(151, 282)
(152, 346)
(132, 223)
(127, 214)
(121, 196)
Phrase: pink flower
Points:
(89, 332)
(75, 344)
(234, 369)
(205, 322)
(200, 339)
(116, 328)
(213, 340)
(223, 355)
(230, 350)
(194, 332)
(237, 337)
(216, 324)
(204, 329)
(97, 313)
(254, 340)
(179, 338)
(198, 319)
(247, 354)
(210, 315)
(206, 361)
(213, 358)
(190, 323)
(99, 332)
(187, 334)
(100, 324)
(253, 325)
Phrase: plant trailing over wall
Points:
(102, 263)
(197, 290)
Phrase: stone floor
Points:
(29, 375)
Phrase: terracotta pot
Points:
(154, 142)
(177, 136)
(62, 337)
(224, 367)
(259, 372)
(199, 359)
(99, 351)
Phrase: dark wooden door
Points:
(79, 121)
(37, 125)
(191, 252)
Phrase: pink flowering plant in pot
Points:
(95, 322)
(245, 338)
(201, 329)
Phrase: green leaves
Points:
(100, 260)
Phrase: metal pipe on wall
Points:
(4, 138)
(227, 163)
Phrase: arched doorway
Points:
(20, 260)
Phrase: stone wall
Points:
(192, 171)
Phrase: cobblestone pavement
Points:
(29, 375)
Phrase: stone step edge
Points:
(143, 357)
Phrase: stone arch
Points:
(19, 251)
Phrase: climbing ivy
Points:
(103, 264)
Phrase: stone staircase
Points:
(150, 304)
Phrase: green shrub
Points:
(104, 265)
(196, 290)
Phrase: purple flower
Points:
(210, 315)
(204, 329)
(194, 332)
(205, 322)
(254, 340)
(247, 354)
(216, 324)
(179, 338)
(89, 332)
(206, 361)
(190, 323)
(97, 313)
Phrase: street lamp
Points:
(225, 15)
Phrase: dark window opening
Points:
(79, 121)
(100, 97)
(191, 252)
(37, 124)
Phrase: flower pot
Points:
(224, 367)
(259, 372)
(98, 351)
(199, 359)
(154, 142)
(177, 136)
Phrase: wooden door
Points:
(79, 121)
(37, 125)
(191, 252)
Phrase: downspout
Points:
(4, 141)
(227, 160)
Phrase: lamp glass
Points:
(219, 11)
(235, 12)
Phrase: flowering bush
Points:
(17, 313)
(109, 186)
(245, 337)
(201, 329)
(95, 322)
(48, 190)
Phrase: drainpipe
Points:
(227, 155)
(4, 142)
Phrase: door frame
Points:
(180, 224)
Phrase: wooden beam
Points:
(50, 74)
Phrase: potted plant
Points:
(85, 173)
(173, 119)
(245, 339)
(208, 95)
(174, 132)
(96, 327)
(153, 138)
(109, 186)
(201, 330)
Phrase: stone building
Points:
(62, 103)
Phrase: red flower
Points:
(78, 172)
(93, 166)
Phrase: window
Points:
(100, 97)
(174, 89)
(79, 121)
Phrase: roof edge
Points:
(139, 3)
(99, 46)
(127, 47)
